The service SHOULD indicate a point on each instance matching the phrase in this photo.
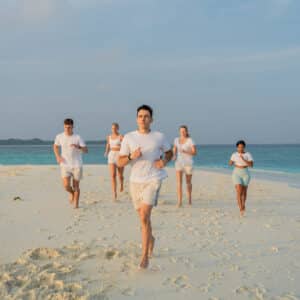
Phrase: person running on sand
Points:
(112, 149)
(70, 160)
(184, 149)
(148, 152)
(242, 160)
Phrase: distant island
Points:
(37, 141)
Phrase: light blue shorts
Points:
(241, 176)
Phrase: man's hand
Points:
(75, 146)
(159, 164)
(136, 154)
(59, 160)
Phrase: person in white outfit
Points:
(70, 160)
(112, 149)
(184, 149)
(148, 152)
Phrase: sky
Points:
(227, 69)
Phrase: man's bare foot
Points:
(121, 188)
(242, 213)
(144, 263)
(151, 247)
(179, 204)
(190, 203)
(71, 198)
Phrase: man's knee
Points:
(144, 218)
(67, 186)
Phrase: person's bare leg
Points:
(239, 188)
(121, 178)
(244, 197)
(76, 193)
(113, 175)
(189, 188)
(145, 215)
(179, 188)
(68, 188)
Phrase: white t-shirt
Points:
(184, 158)
(235, 157)
(152, 145)
(72, 156)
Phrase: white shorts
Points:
(113, 157)
(146, 193)
(187, 169)
(76, 173)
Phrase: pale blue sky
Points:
(228, 69)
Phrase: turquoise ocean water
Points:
(278, 162)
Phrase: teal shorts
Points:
(241, 176)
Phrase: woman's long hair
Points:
(186, 128)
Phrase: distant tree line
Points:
(37, 141)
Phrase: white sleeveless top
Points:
(115, 143)
(184, 158)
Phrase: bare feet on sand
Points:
(144, 263)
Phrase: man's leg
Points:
(76, 192)
(147, 238)
(179, 187)
(68, 188)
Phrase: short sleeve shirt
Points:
(153, 145)
(72, 157)
(235, 157)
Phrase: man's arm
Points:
(161, 163)
(59, 159)
(126, 159)
(84, 149)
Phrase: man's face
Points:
(144, 119)
(68, 129)
(240, 148)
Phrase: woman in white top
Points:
(113, 146)
(241, 160)
(184, 149)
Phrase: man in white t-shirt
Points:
(70, 160)
(148, 153)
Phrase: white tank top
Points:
(115, 143)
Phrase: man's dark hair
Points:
(145, 107)
(241, 142)
(69, 122)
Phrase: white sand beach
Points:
(51, 251)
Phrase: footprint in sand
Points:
(179, 282)
(42, 253)
(128, 292)
(111, 254)
(252, 292)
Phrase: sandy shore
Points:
(51, 251)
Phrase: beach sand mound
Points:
(76, 271)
